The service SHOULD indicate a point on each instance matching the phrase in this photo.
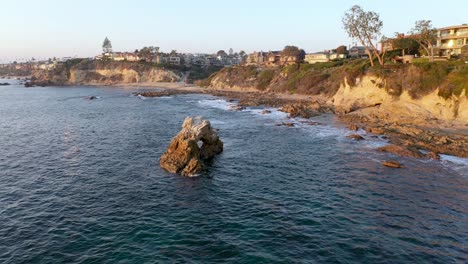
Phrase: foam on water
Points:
(457, 163)
(217, 103)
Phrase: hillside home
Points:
(450, 40)
(317, 57)
(273, 58)
(256, 58)
(174, 60)
(359, 52)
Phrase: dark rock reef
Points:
(184, 154)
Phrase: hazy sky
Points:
(48, 28)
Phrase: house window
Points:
(459, 42)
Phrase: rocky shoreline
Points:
(413, 140)
(428, 136)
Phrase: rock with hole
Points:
(196, 143)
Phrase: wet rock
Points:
(299, 110)
(392, 164)
(355, 137)
(236, 107)
(34, 83)
(401, 151)
(433, 155)
(375, 130)
(311, 123)
(285, 124)
(353, 127)
(168, 92)
(92, 97)
(184, 155)
(265, 112)
(4, 84)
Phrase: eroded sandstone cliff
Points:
(85, 72)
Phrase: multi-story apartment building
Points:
(450, 40)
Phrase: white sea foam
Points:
(456, 163)
(273, 114)
(218, 103)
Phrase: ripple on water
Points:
(80, 184)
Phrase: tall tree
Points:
(364, 27)
(148, 53)
(107, 46)
(294, 51)
(425, 35)
(221, 53)
(405, 44)
(342, 50)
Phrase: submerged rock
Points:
(392, 164)
(285, 124)
(4, 84)
(355, 137)
(184, 155)
(265, 112)
(402, 151)
(236, 107)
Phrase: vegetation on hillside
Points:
(418, 79)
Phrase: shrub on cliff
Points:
(264, 79)
(456, 83)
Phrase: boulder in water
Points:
(184, 155)
(356, 137)
(402, 151)
(392, 164)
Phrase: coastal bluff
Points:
(92, 72)
(423, 106)
(194, 144)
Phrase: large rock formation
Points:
(184, 154)
(92, 72)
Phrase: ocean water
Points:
(80, 183)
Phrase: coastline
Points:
(435, 137)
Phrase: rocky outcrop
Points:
(367, 98)
(401, 151)
(305, 110)
(89, 72)
(184, 154)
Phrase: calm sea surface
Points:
(80, 183)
